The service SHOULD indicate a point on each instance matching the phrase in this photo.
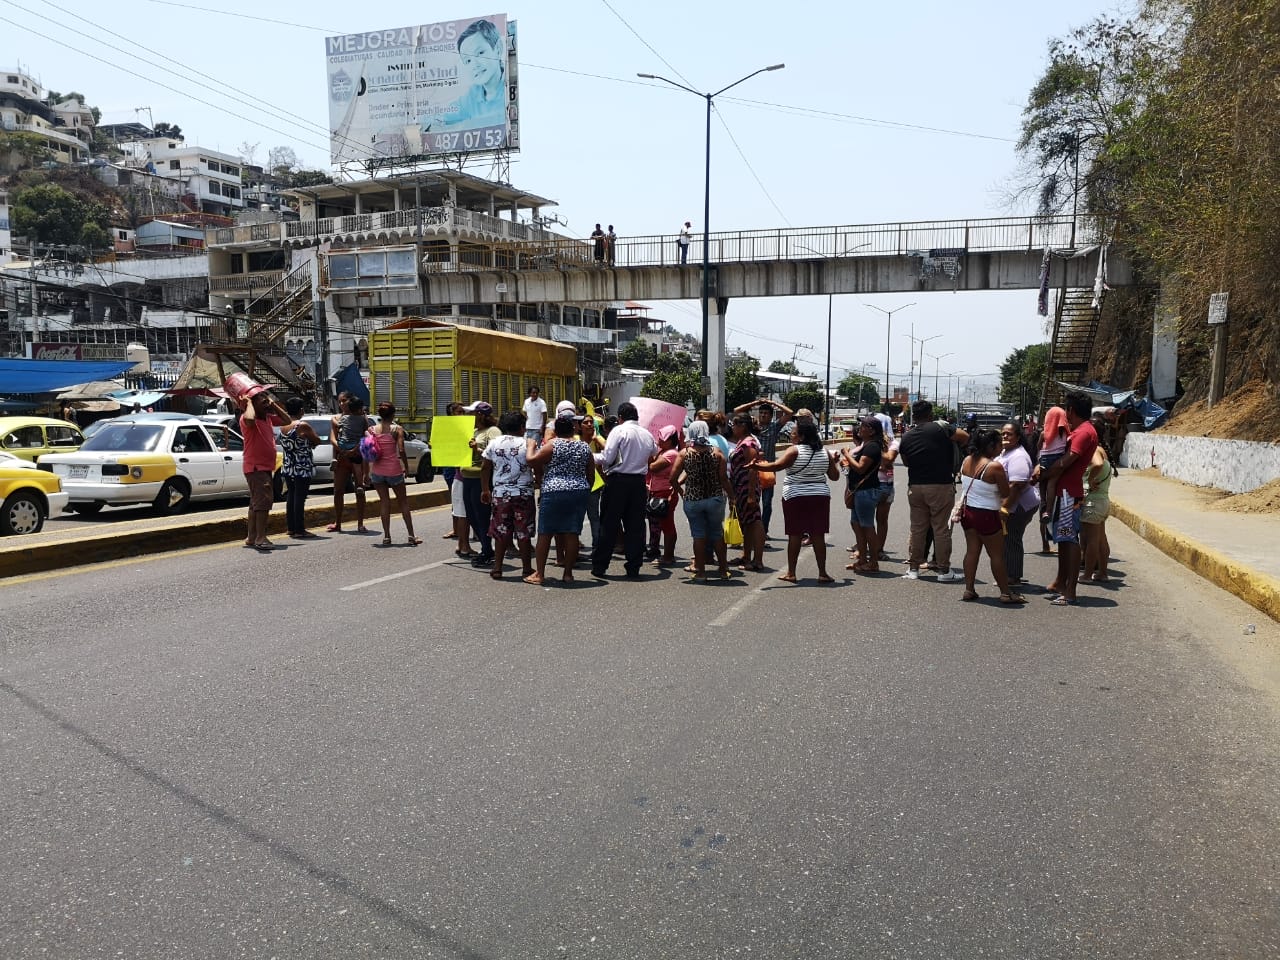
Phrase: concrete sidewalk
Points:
(1239, 552)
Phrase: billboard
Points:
(429, 90)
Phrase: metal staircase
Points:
(1075, 327)
(261, 353)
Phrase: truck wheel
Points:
(21, 513)
(174, 497)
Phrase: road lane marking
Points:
(727, 617)
(400, 575)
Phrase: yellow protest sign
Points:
(451, 441)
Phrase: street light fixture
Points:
(826, 398)
(937, 362)
(706, 220)
(920, 365)
(888, 333)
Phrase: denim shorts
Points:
(886, 492)
(706, 518)
(392, 481)
(864, 506)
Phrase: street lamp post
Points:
(920, 365)
(937, 362)
(706, 227)
(826, 400)
(888, 333)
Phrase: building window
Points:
(13, 79)
(214, 189)
(175, 164)
(373, 269)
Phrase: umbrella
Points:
(93, 390)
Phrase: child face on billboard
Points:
(480, 60)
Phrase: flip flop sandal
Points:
(969, 596)
(1062, 602)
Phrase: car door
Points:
(197, 460)
(231, 445)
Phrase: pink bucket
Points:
(240, 387)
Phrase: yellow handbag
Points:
(732, 529)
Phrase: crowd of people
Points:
(536, 483)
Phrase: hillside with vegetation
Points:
(1165, 128)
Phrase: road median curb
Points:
(100, 547)
(1259, 590)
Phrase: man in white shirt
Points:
(685, 238)
(535, 416)
(625, 464)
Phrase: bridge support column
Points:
(717, 307)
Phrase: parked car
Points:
(29, 438)
(10, 460)
(165, 459)
(417, 450)
(28, 497)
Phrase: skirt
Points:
(562, 511)
(457, 507)
(811, 515)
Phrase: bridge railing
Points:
(930, 237)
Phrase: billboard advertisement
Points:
(434, 89)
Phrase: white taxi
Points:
(166, 460)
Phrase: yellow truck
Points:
(422, 366)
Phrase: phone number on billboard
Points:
(491, 138)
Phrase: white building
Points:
(210, 180)
(65, 128)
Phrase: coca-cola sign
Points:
(55, 351)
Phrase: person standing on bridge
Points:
(683, 241)
(598, 242)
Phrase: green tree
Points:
(168, 130)
(740, 383)
(809, 396)
(19, 150)
(680, 387)
(859, 389)
(784, 366)
(46, 213)
(637, 355)
(94, 237)
(309, 178)
(1022, 377)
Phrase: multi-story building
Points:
(359, 254)
(210, 180)
(6, 235)
(65, 128)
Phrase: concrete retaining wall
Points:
(1237, 466)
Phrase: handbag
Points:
(368, 448)
(657, 507)
(958, 510)
(732, 529)
(767, 479)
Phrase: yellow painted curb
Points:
(19, 560)
(1259, 590)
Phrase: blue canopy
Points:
(46, 376)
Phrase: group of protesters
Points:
(538, 482)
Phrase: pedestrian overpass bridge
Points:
(949, 255)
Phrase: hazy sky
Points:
(841, 136)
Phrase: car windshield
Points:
(118, 437)
(321, 427)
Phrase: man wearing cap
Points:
(625, 465)
(259, 461)
(565, 408)
(478, 512)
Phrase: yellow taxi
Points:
(167, 460)
(30, 438)
(28, 497)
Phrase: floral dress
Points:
(745, 481)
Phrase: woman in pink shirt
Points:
(387, 468)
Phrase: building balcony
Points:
(386, 227)
(244, 284)
(61, 142)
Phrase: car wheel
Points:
(174, 497)
(426, 472)
(88, 509)
(22, 513)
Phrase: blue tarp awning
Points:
(46, 376)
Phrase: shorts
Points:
(706, 518)
(864, 506)
(1064, 523)
(457, 504)
(393, 481)
(1047, 460)
(886, 492)
(985, 523)
(512, 518)
(260, 494)
(1096, 509)
(562, 511)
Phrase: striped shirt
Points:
(807, 476)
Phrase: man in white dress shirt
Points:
(625, 464)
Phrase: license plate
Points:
(78, 472)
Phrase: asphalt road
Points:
(342, 751)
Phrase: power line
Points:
(243, 16)
(755, 176)
(647, 44)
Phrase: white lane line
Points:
(728, 616)
(397, 576)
